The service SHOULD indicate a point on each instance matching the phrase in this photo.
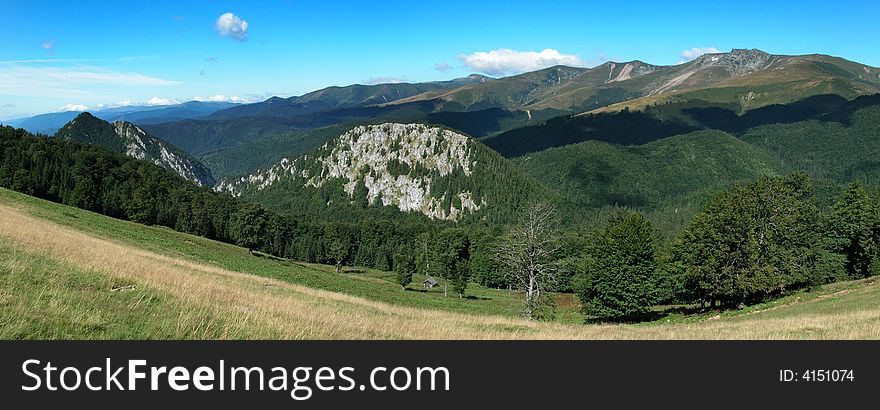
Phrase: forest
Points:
(750, 242)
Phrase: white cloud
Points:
(443, 67)
(30, 80)
(384, 80)
(695, 52)
(73, 107)
(161, 101)
(221, 98)
(505, 61)
(232, 26)
(49, 46)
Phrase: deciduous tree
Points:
(618, 278)
(528, 252)
(854, 228)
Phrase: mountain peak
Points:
(84, 116)
(628, 70)
(477, 77)
(129, 139)
(416, 168)
(737, 62)
(748, 51)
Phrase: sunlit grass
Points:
(60, 265)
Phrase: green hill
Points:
(595, 174)
(836, 148)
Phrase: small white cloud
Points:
(221, 98)
(161, 101)
(49, 46)
(232, 26)
(505, 61)
(384, 80)
(73, 107)
(695, 52)
(442, 67)
(123, 103)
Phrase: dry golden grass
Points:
(269, 308)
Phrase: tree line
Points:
(752, 242)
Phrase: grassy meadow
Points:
(66, 273)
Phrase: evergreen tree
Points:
(142, 207)
(404, 265)
(338, 248)
(451, 257)
(485, 267)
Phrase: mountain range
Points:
(661, 139)
(747, 78)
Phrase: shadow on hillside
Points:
(727, 120)
(647, 317)
(673, 118)
(655, 315)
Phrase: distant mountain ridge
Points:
(580, 89)
(127, 138)
(142, 114)
(336, 97)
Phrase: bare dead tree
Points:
(529, 253)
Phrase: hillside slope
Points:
(61, 278)
(127, 138)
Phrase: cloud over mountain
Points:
(695, 52)
(504, 61)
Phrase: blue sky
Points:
(64, 54)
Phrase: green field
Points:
(116, 279)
